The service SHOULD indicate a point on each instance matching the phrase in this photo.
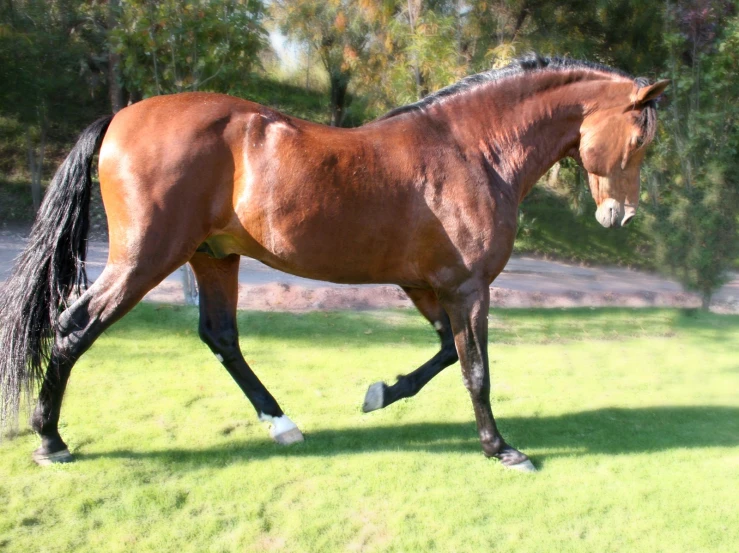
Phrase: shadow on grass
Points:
(330, 329)
(611, 431)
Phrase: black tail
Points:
(46, 274)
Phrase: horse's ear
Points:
(650, 92)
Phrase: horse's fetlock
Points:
(492, 446)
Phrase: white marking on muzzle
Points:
(609, 213)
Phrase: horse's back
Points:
(347, 205)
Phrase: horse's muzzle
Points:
(611, 213)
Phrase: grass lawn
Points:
(631, 416)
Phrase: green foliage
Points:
(293, 100)
(184, 45)
(415, 52)
(554, 228)
(622, 33)
(45, 63)
(43, 53)
(696, 202)
(338, 31)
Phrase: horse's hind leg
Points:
(113, 294)
(381, 395)
(218, 283)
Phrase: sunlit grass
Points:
(631, 415)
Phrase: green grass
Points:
(630, 415)
(297, 101)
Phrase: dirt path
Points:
(525, 282)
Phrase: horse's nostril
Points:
(627, 220)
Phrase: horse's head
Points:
(612, 140)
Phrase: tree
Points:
(423, 39)
(696, 201)
(115, 76)
(184, 45)
(43, 60)
(339, 31)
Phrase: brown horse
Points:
(426, 197)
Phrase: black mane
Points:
(525, 64)
(531, 63)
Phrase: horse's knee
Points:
(476, 383)
(222, 342)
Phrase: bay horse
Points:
(425, 197)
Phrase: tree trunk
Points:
(525, 10)
(339, 85)
(706, 299)
(36, 164)
(553, 180)
(115, 88)
(134, 95)
(189, 285)
(414, 11)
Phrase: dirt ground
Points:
(525, 282)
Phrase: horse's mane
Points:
(526, 64)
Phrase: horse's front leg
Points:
(468, 307)
(381, 395)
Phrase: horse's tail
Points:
(48, 271)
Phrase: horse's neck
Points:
(522, 132)
(539, 142)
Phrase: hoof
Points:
(292, 436)
(375, 397)
(283, 431)
(513, 459)
(44, 459)
(525, 466)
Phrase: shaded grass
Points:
(631, 415)
(297, 101)
(559, 232)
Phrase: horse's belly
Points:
(332, 256)
(337, 261)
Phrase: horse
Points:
(425, 197)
